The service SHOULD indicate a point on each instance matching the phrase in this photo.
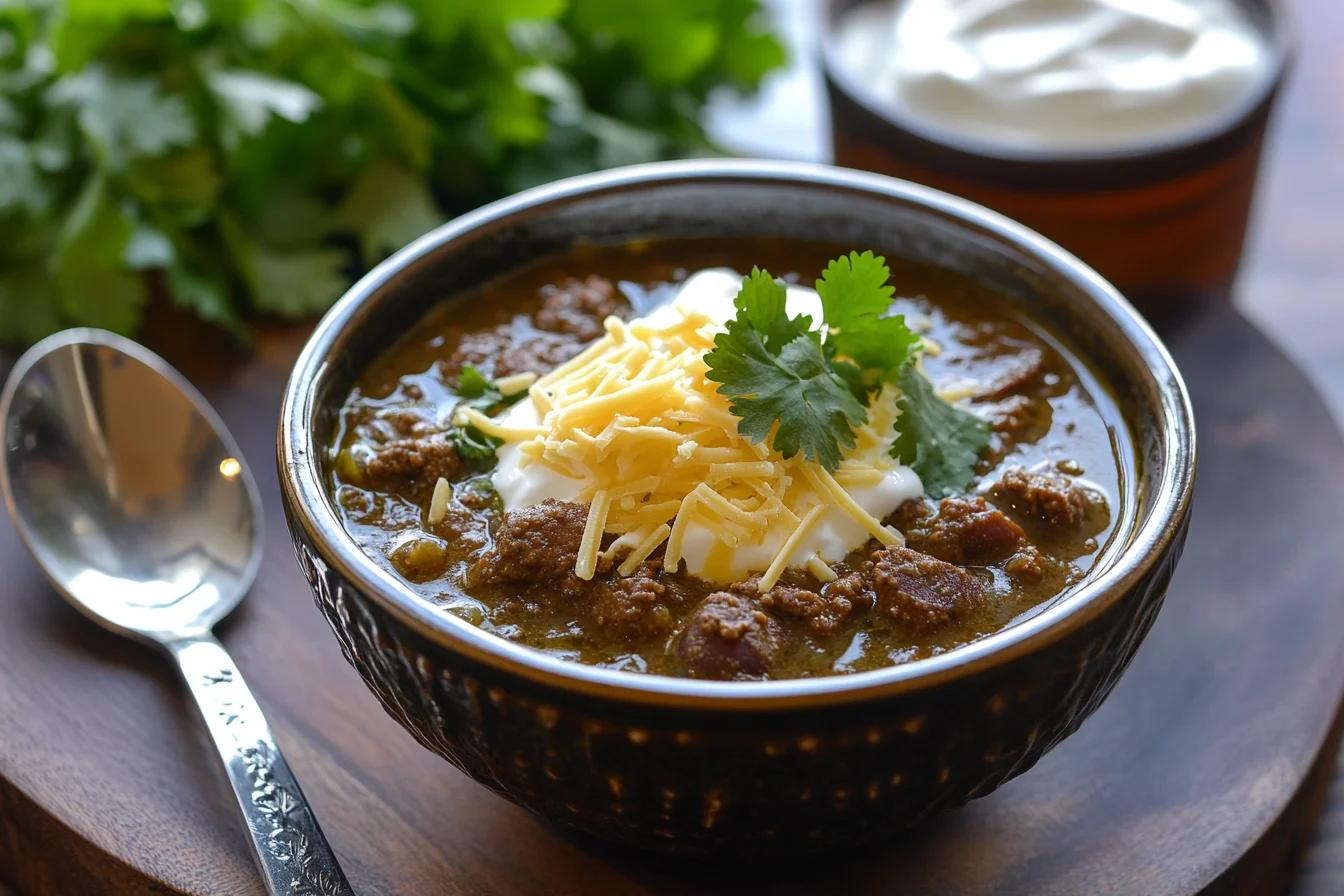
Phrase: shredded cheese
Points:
(515, 383)
(825, 483)
(438, 502)
(592, 536)
(818, 568)
(642, 550)
(772, 574)
(647, 439)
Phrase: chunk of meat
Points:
(1027, 563)
(412, 463)
(1018, 416)
(1024, 367)
(823, 612)
(1015, 420)
(963, 531)
(857, 588)
(920, 591)
(729, 636)
(537, 544)
(1055, 499)
(912, 517)
(631, 608)
(511, 348)
(579, 308)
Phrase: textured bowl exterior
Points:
(696, 767)
(696, 782)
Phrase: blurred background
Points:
(240, 162)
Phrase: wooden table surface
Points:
(1292, 280)
(1293, 283)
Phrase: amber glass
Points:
(1165, 223)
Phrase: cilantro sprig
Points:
(939, 441)
(476, 390)
(810, 386)
(238, 158)
(774, 371)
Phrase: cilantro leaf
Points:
(478, 392)
(249, 101)
(471, 383)
(206, 295)
(854, 295)
(939, 441)
(386, 209)
(780, 376)
(125, 118)
(814, 409)
(91, 282)
(760, 303)
(21, 188)
(854, 287)
(28, 305)
(291, 284)
(472, 444)
(282, 147)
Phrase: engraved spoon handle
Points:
(287, 843)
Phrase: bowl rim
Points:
(1279, 30)
(309, 506)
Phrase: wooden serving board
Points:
(1203, 772)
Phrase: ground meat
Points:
(580, 308)
(964, 531)
(912, 518)
(397, 423)
(729, 637)
(1027, 563)
(476, 498)
(922, 591)
(1055, 499)
(416, 421)
(823, 612)
(632, 607)
(857, 588)
(1025, 367)
(461, 525)
(537, 544)
(415, 463)
(511, 348)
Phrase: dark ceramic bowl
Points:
(1164, 221)
(698, 766)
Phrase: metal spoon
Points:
(135, 501)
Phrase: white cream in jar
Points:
(1068, 75)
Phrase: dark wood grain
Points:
(1203, 755)
(1293, 284)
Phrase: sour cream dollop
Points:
(522, 481)
(1058, 74)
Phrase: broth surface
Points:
(1057, 421)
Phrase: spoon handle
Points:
(287, 843)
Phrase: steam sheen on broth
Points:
(497, 534)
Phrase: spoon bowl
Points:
(126, 487)
(138, 506)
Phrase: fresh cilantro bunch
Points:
(252, 156)
(811, 386)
